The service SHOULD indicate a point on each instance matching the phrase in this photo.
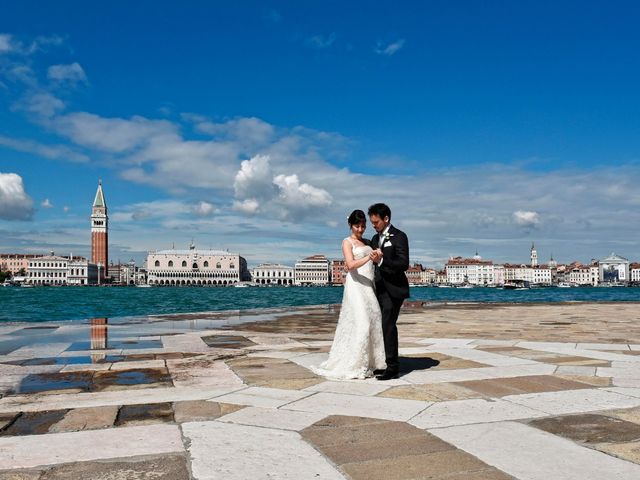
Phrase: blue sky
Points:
(258, 126)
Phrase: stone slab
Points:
(262, 397)
(574, 401)
(374, 407)
(86, 419)
(122, 397)
(238, 452)
(56, 448)
(350, 388)
(531, 454)
(477, 410)
(165, 467)
(279, 419)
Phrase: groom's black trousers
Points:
(390, 310)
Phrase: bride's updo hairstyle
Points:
(357, 216)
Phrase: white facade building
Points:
(195, 267)
(82, 272)
(272, 274)
(634, 272)
(540, 275)
(48, 270)
(614, 269)
(312, 270)
(472, 271)
(584, 275)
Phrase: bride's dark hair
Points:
(357, 216)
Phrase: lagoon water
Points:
(77, 303)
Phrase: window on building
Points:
(157, 264)
(206, 264)
(218, 265)
(171, 263)
(184, 263)
(195, 265)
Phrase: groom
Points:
(391, 256)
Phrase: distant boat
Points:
(564, 285)
(143, 285)
(27, 285)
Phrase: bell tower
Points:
(100, 231)
(534, 256)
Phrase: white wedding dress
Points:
(358, 344)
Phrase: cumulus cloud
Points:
(72, 73)
(203, 209)
(255, 179)
(299, 199)
(15, 204)
(389, 49)
(526, 218)
(46, 203)
(249, 206)
(5, 43)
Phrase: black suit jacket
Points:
(390, 276)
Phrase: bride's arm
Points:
(349, 261)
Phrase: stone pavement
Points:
(486, 392)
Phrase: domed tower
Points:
(534, 256)
(100, 231)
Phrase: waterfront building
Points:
(470, 271)
(81, 272)
(125, 273)
(48, 270)
(272, 274)
(15, 263)
(634, 273)
(441, 277)
(338, 273)
(314, 270)
(539, 275)
(100, 232)
(428, 276)
(498, 274)
(614, 269)
(584, 275)
(195, 267)
(414, 274)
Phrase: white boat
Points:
(26, 285)
(143, 285)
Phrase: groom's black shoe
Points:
(388, 375)
(379, 371)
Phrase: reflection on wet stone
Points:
(111, 380)
(144, 414)
(228, 341)
(98, 338)
(32, 423)
(50, 382)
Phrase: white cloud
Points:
(46, 203)
(255, 179)
(72, 73)
(54, 152)
(15, 204)
(390, 48)
(526, 218)
(5, 43)
(204, 209)
(9, 44)
(114, 135)
(65, 209)
(250, 206)
(299, 199)
(42, 105)
(321, 41)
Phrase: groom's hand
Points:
(376, 256)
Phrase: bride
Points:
(358, 345)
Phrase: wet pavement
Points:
(552, 391)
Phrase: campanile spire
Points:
(100, 231)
